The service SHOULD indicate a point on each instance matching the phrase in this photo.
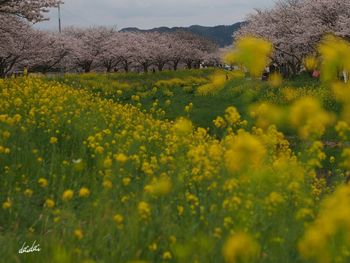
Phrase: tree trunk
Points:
(175, 65)
(126, 66)
(160, 66)
(87, 67)
(145, 67)
(189, 65)
(2, 72)
(108, 66)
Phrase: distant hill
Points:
(222, 35)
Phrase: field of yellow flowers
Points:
(93, 175)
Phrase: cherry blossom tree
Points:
(32, 10)
(127, 49)
(53, 49)
(88, 45)
(296, 26)
(110, 56)
(19, 44)
(144, 50)
(162, 49)
(194, 48)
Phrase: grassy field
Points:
(188, 166)
(173, 91)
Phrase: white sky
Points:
(153, 13)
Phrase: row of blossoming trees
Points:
(87, 49)
(295, 27)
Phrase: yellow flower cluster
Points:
(332, 223)
(241, 247)
(251, 52)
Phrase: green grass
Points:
(240, 93)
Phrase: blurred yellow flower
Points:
(241, 247)
(311, 63)
(121, 158)
(43, 182)
(183, 126)
(99, 149)
(53, 140)
(84, 192)
(78, 233)
(49, 203)
(167, 255)
(144, 210)
(17, 102)
(159, 187)
(107, 184)
(245, 151)
(28, 192)
(7, 205)
(107, 163)
(309, 118)
(126, 181)
(67, 195)
(153, 246)
(251, 52)
(118, 219)
(275, 80)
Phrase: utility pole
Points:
(59, 18)
(60, 30)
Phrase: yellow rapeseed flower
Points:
(99, 149)
(49, 203)
(43, 182)
(159, 187)
(126, 181)
(84, 192)
(275, 80)
(309, 118)
(144, 210)
(153, 246)
(245, 151)
(53, 140)
(107, 163)
(7, 204)
(121, 158)
(167, 255)
(28, 192)
(78, 233)
(17, 102)
(240, 247)
(232, 116)
(67, 195)
(183, 126)
(119, 219)
(251, 52)
(107, 184)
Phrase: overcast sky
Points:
(147, 14)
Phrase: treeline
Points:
(98, 49)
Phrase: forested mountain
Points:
(222, 35)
